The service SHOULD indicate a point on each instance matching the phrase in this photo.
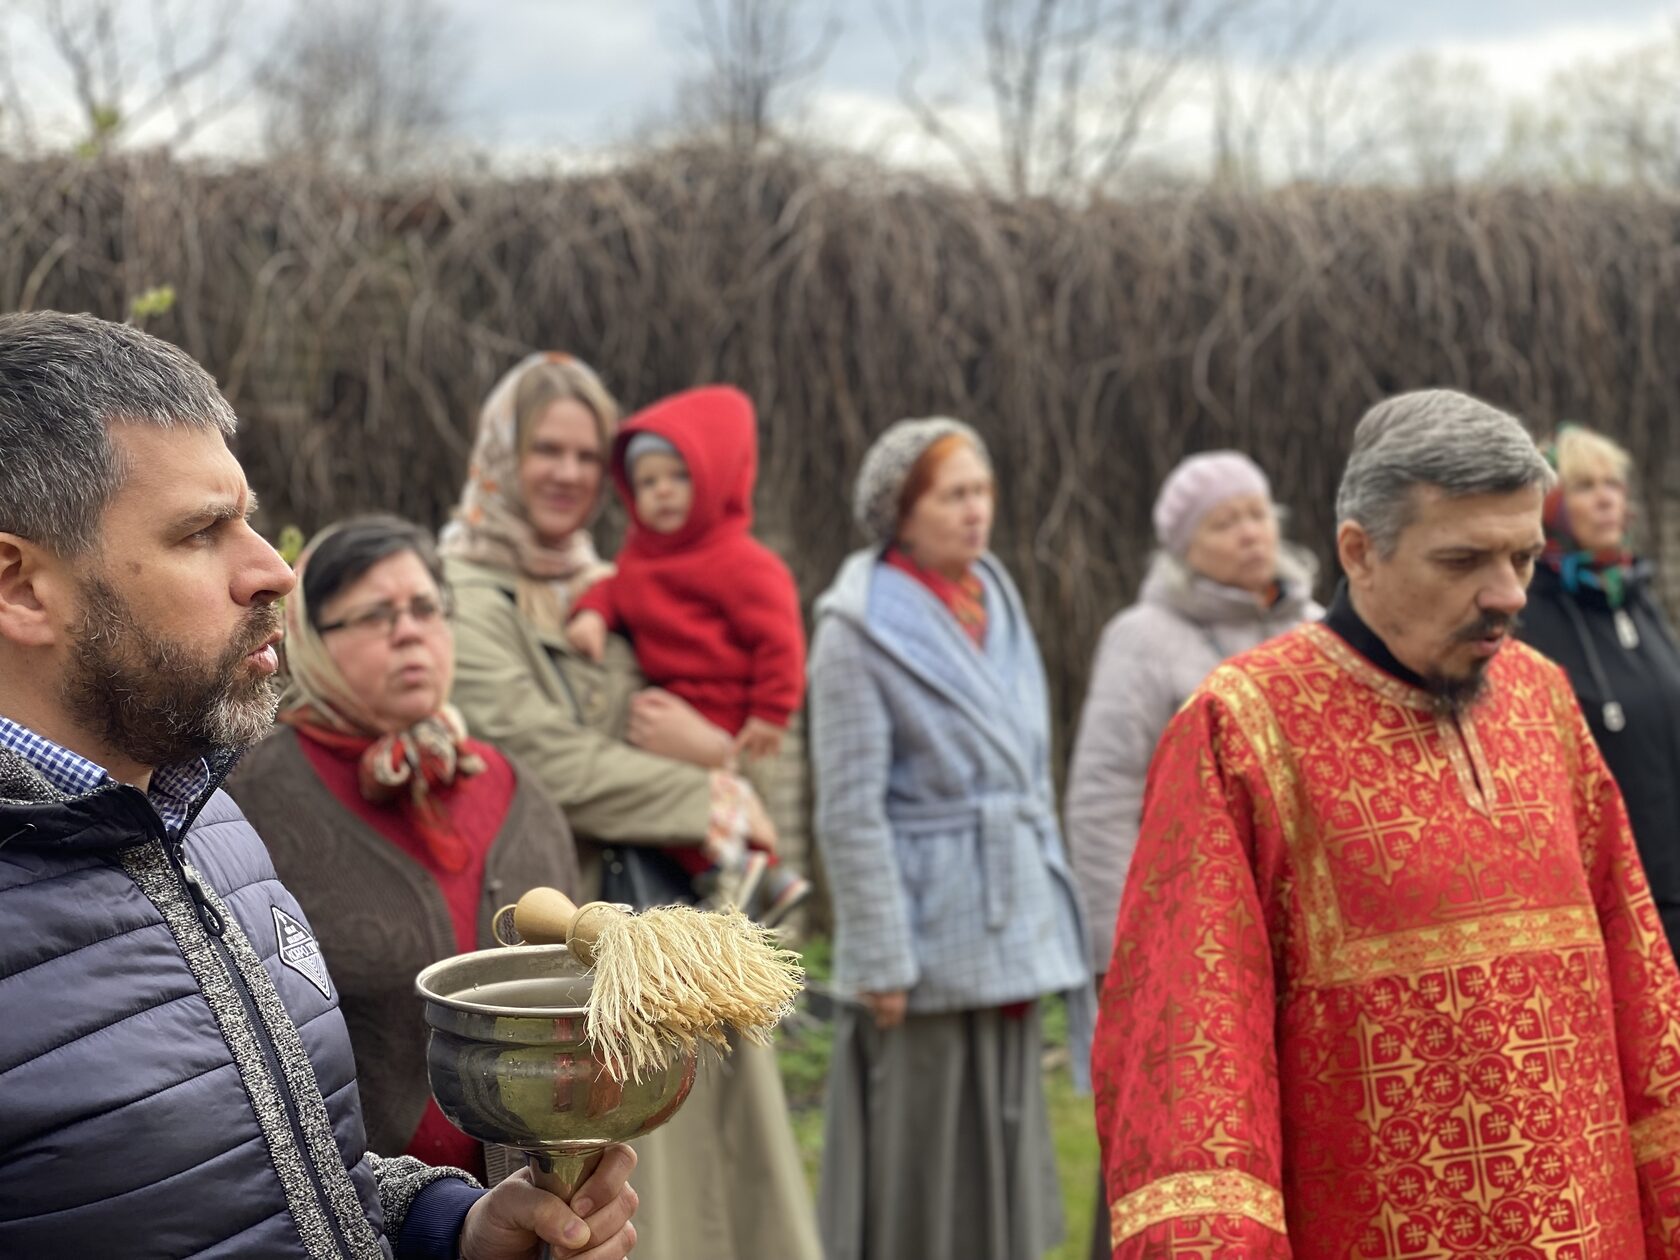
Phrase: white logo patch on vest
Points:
(300, 952)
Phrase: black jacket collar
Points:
(1351, 627)
(112, 816)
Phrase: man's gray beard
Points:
(155, 701)
(1454, 697)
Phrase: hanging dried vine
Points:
(356, 331)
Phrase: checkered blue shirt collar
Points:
(173, 791)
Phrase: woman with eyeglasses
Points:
(399, 835)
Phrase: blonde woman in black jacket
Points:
(1593, 609)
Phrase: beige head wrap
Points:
(490, 525)
(404, 767)
(313, 679)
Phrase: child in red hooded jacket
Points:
(713, 614)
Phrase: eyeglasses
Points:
(426, 611)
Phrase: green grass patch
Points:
(1077, 1160)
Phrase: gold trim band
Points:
(1656, 1136)
(1229, 1192)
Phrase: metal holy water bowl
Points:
(510, 1060)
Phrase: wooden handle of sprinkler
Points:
(546, 916)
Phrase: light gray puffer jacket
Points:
(1151, 658)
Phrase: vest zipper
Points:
(26, 829)
(215, 928)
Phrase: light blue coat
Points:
(935, 807)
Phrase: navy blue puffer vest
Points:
(175, 1077)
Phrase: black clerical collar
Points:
(1362, 639)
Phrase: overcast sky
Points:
(588, 72)
(577, 79)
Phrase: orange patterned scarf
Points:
(965, 597)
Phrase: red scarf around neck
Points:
(406, 769)
(965, 597)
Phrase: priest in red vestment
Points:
(1387, 980)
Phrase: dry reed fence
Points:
(356, 332)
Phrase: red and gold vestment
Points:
(1387, 983)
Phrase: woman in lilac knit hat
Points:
(1220, 584)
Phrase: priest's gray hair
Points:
(64, 379)
(1460, 445)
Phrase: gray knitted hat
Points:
(887, 464)
(645, 443)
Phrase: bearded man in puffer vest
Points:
(175, 1077)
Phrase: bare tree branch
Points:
(177, 73)
(125, 73)
(1615, 119)
(1332, 131)
(1290, 56)
(1154, 41)
(756, 53)
(1439, 124)
(1017, 50)
(1075, 84)
(361, 84)
(17, 124)
(906, 27)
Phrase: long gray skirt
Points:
(938, 1142)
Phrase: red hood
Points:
(716, 432)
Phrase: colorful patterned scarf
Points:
(401, 768)
(966, 597)
(1607, 570)
(490, 526)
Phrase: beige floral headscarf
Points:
(404, 769)
(490, 525)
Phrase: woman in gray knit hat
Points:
(954, 903)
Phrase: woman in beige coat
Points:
(628, 767)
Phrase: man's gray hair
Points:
(1432, 437)
(64, 379)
